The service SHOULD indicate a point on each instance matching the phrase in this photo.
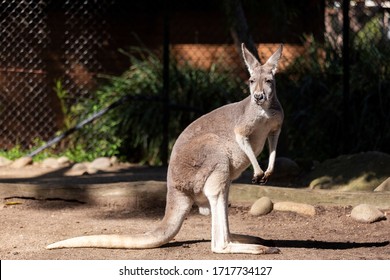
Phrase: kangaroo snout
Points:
(260, 98)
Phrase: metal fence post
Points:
(346, 78)
(165, 90)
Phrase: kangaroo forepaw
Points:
(261, 179)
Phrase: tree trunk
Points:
(239, 27)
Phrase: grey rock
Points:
(262, 206)
(300, 208)
(365, 213)
(384, 186)
(21, 162)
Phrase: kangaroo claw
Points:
(259, 179)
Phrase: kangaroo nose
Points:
(259, 97)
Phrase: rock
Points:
(384, 186)
(91, 171)
(50, 163)
(101, 163)
(22, 162)
(324, 182)
(64, 161)
(365, 213)
(114, 160)
(79, 167)
(262, 206)
(356, 172)
(4, 161)
(300, 208)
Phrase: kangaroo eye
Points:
(268, 81)
(251, 81)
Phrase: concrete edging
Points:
(141, 194)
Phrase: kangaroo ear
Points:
(250, 60)
(273, 60)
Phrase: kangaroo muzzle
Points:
(260, 98)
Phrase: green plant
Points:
(14, 153)
(311, 92)
(19, 151)
(134, 130)
(69, 110)
(92, 140)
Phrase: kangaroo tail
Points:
(177, 208)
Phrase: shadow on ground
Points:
(307, 244)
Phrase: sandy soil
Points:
(27, 226)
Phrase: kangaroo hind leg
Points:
(216, 190)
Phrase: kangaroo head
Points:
(262, 77)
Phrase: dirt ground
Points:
(28, 225)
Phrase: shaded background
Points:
(62, 60)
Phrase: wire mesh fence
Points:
(53, 52)
(25, 113)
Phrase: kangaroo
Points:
(211, 152)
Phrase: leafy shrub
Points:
(134, 130)
(311, 91)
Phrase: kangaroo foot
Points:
(238, 248)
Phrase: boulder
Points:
(384, 186)
(80, 167)
(22, 162)
(114, 160)
(4, 161)
(324, 182)
(355, 172)
(92, 170)
(262, 206)
(300, 208)
(63, 161)
(50, 162)
(101, 163)
(365, 213)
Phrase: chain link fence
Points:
(85, 33)
(53, 51)
(25, 112)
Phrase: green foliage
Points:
(91, 141)
(371, 34)
(13, 153)
(311, 91)
(19, 151)
(134, 129)
(72, 112)
(370, 91)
